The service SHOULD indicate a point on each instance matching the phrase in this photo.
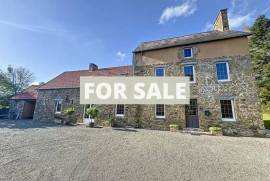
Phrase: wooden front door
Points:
(191, 112)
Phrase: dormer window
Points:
(188, 53)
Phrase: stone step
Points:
(193, 129)
(192, 132)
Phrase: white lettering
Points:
(180, 91)
(138, 89)
(153, 91)
(88, 90)
(108, 91)
(119, 91)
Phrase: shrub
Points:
(69, 111)
(92, 112)
(215, 129)
(174, 126)
(267, 124)
(108, 122)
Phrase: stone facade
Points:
(45, 106)
(21, 109)
(207, 90)
(16, 109)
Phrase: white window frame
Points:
(157, 116)
(119, 115)
(194, 73)
(191, 52)
(160, 67)
(56, 105)
(233, 112)
(228, 72)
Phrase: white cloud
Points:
(239, 21)
(33, 28)
(239, 15)
(208, 27)
(121, 56)
(187, 8)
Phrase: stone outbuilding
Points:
(22, 105)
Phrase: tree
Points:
(19, 78)
(260, 54)
(13, 81)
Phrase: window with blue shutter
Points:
(189, 71)
(159, 71)
(222, 71)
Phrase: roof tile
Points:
(189, 39)
(71, 79)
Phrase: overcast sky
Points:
(50, 37)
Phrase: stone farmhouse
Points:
(223, 90)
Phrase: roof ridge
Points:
(100, 69)
(213, 35)
(179, 36)
(191, 35)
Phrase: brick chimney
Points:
(93, 67)
(222, 21)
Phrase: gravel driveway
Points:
(34, 151)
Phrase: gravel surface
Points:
(35, 151)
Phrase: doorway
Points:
(191, 114)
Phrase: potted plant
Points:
(92, 113)
(216, 131)
(67, 115)
(174, 127)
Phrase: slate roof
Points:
(190, 39)
(71, 79)
(30, 93)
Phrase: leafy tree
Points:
(20, 78)
(13, 81)
(260, 54)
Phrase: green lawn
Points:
(266, 116)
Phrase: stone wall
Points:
(15, 109)
(208, 92)
(45, 106)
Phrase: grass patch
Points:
(266, 119)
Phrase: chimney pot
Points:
(93, 67)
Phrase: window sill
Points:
(57, 113)
(228, 120)
(160, 117)
(221, 81)
(120, 115)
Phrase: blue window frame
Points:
(222, 71)
(159, 71)
(188, 53)
(189, 71)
